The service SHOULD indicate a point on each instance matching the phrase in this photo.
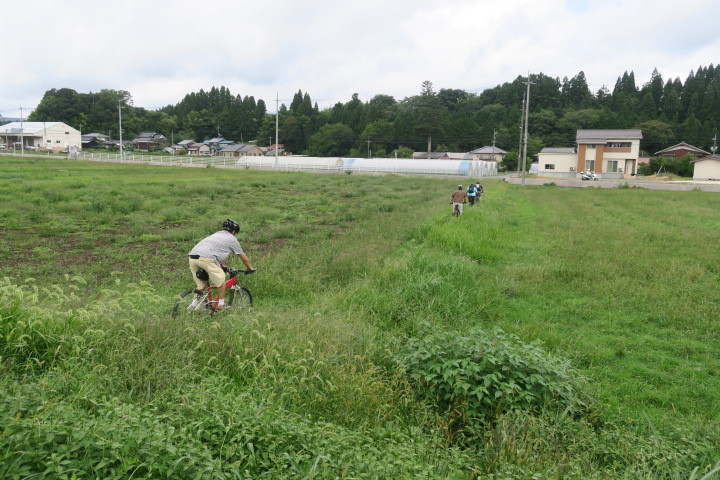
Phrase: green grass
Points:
(618, 286)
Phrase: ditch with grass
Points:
(546, 333)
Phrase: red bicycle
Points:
(195, 301)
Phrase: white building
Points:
(554, 160)
(40, 136)
(612, 153)
(707, 168)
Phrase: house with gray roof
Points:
(489, 153)
(610, 153)
(147, 140)
(198, 149)
(241, 150)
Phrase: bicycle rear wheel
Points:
(239, 298)
(190, 304)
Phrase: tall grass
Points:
(99, 381)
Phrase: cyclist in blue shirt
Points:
(471, 194)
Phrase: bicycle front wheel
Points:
(239, 298)
(190, 304)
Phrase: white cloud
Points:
(161, 50)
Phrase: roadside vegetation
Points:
(546, 333)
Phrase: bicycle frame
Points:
(230, 282)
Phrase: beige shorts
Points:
(216, 274)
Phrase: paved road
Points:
(679, 185)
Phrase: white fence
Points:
(456, 168)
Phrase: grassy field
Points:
(546, 333)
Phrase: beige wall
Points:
(58, 138)
(562, 161)
(706, 170)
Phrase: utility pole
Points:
(429, 147)
(368, 142)
(522, 129)
(120, 128)
(22, 133)
(277, 114)
(527, 111)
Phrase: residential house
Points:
(707, 168)
(201, 149)
(186, 143)
(241, 150)
(442, 156)
(175, 149)
(116, 144)
(680, 150)
(147, 140)
(92, 140)
(612, 153)
(490, 153)
(216, 144)
(270, 151)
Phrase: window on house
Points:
(591, 146)
(549, 166)
(67, 133)
(612, 166)
(619, 144)
(590, 165)
(57, 141)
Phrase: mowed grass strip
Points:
(623, 281)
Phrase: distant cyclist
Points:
(211, 252)
(458, 198)
(471, 194)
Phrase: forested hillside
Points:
(666, 110)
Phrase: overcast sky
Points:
(160, 50)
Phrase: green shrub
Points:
(476, 376)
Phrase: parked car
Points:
(3, 146)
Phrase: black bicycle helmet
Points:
(231, 226)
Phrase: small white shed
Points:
(707, 168)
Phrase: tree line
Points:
(667, 111)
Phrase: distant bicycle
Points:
(195, 301)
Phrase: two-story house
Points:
(612, 153)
